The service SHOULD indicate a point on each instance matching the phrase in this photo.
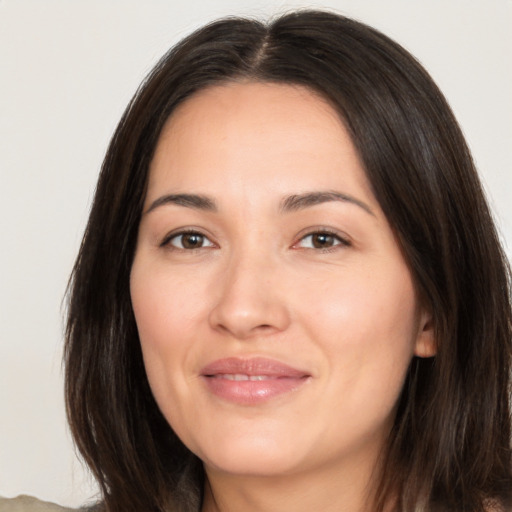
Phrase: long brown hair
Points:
(450, 445)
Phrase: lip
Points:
(251, 381)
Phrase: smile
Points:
(251, 381)
(242, 377)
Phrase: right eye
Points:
(188, 240)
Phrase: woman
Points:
(290, 294)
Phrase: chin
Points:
(253, 463)
(254, 456)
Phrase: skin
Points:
(341, 307)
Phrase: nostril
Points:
(243, 311)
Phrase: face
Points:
(276, 313)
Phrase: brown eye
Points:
(189, 241)
(321, 240)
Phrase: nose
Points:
(252, 299)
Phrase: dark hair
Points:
(450, 445)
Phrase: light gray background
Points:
(67, 70)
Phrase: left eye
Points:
(189, 241)
(321, 240)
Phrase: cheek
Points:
(163, 315)
(367, 324)
(165, 325)
(360, 305)
(368, 338)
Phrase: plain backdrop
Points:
(67, 70)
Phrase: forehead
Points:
(242, 96)
(252, 133)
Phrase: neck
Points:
(326, 490)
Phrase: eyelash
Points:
(339, 241)
(167, 241)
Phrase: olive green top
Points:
(30, 504)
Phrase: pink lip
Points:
(251, 381)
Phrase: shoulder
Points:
(494, 505)
(30, 504)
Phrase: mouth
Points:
(251, 381)
(240, 377)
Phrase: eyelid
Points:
(166, 241)
(343, 239)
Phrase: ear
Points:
(425, 345)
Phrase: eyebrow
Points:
(291, 203)
(196, 201)
(302, 201)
